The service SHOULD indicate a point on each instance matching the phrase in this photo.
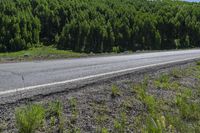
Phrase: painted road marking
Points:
(93, 76)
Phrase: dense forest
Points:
(99, 25)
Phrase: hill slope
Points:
(99, 25)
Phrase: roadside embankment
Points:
(156, 99)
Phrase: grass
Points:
(29, 118)
(188, 109)
(43, 52)
(104, 130)
(141, 108)
(198, 63)
(115, 92)
(164, 81)
(120, 124)
(176, 73)
(55, 110)
(74, 110)
(167, 115)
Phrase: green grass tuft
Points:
(55, 108)
(74, 110)
(115, 91)
(198, 63)
(29, 118)
(176, 73)
(164, 82)
(121, 123)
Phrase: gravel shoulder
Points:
(124, 104)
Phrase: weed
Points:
(164, 78)
(178, 124)
(104, 130)
(74, 130)
(3, 126)
(29, 118)
(56, 108)
(61, 124)
(73, 102)
(101, 119)
(145, 82)
(176, 73)
(151, 104)
(140, 89)
(127, 104)
(163, 82)
(198, 63)
(74, 110)
(101, 115)
(188, 110)
(148, 100)
(157, 125)
(120, 125)
(115, 91)
(52, 121)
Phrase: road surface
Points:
(33, 74)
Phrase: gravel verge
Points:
(96, 107)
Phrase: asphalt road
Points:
(48, 72)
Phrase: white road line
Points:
(92, 76)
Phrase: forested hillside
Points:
(99, 25)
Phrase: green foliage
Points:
(140, 89)
(74, 110)
(115, 91)
(176, 73)
(55, 108)
(127, 104)
(148, 100)
(115, 49)
(188, 110)
(99, 26)
(120, 124)
(43, 52)
(157, 125)
(29, 118)
(104, 130)
(198, 63)
(164, 82)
